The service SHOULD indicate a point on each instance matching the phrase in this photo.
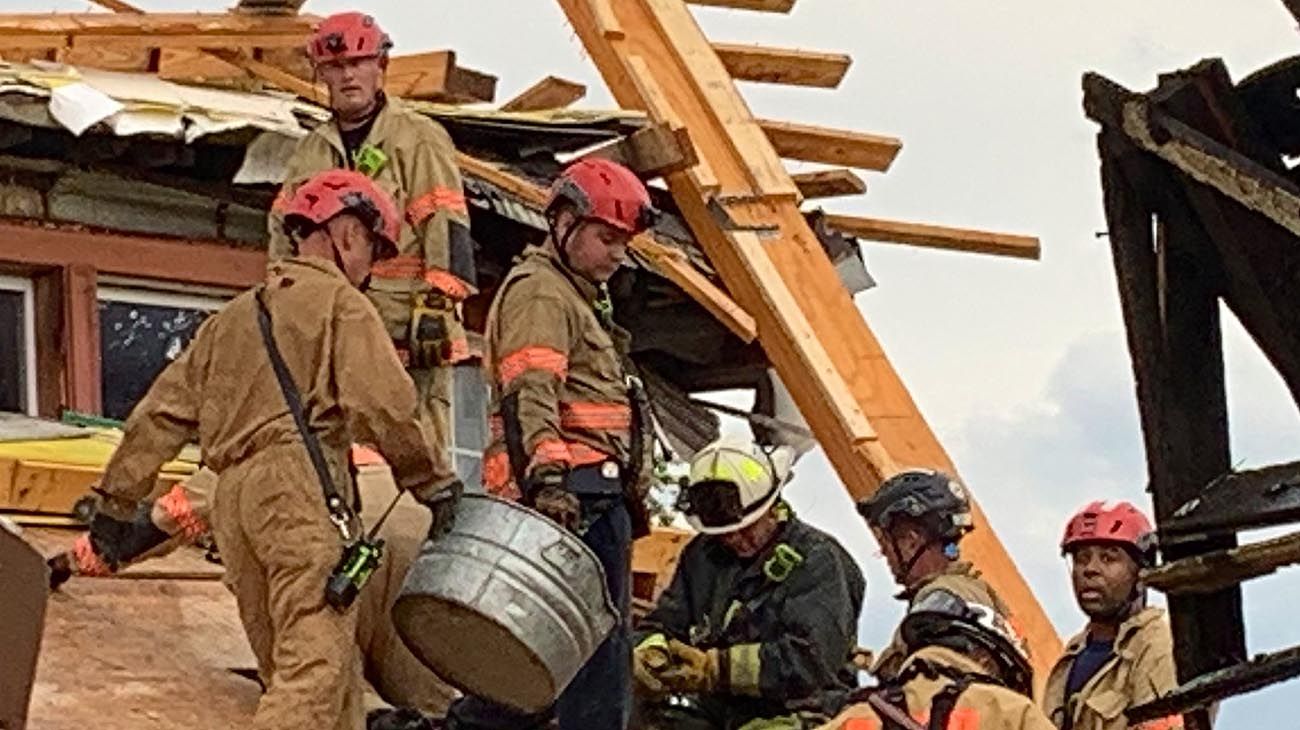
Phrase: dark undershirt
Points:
(354, 138)
(1094, 656)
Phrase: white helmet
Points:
(733, 483)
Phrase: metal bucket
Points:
(507, 606)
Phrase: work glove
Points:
(118, 542)
(437, 336)
(60, 570)
(694, 671)
(442, 508)
(649, 659)
(559, 504)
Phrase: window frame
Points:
(27, 289)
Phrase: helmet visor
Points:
(714, 503)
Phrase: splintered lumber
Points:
(829, 183)
(831, 146)
(790, 66)
(1203, 691)
(551, 92)
(743, 208)
(467, 86)
(931, 236)
(650, 152)
(1218, 570)
(766, 6)
(275, 75)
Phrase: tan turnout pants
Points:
(279, 547)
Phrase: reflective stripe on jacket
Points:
(556, 370)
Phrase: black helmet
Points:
(930, 497)
(942, 618)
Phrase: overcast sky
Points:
(1020, 367)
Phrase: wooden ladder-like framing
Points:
(743, 206)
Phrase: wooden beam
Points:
(153, 24)
(831, 146)
(81, 346)
(551, 92)
(467, 86)
(650, 152)
(765, 6)
(146, 257)
(861, 413)
(930, 236)
(275, 75)
(829, 183)
(420, 75)
(764, 64)
(1218, 570)
(118, 6)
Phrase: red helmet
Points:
(327, 194)
(348, 35)
(605, 191)
(1112, 522)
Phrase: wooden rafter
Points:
(931, 236)
(153, 30)
(791, 66)
(742, 206)
(829, 183)
(811, 143)
(650, 152)
(766, 6)
(551, 92)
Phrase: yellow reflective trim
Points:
(653, 641)
(744, 669)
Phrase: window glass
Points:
(13, 352)
(140, 334)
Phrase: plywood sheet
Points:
(142, 654)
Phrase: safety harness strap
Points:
(340, 514)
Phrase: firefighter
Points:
(1124, 657)
(919, 516)
(400, 682)
(965, 668)
(281, 522)
(760, 620)
(567, 415)
(418, 291)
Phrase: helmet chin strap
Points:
(562, 245)
(338, 261)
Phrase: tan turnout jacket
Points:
(980, 707)
(422, 175)
(960, 579)
(223, 391)
(1141, 670)
(550, 354)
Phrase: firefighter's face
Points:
(354, 246)
(354, 84)
(750, 541)
(594, 249)
(1105, 578)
